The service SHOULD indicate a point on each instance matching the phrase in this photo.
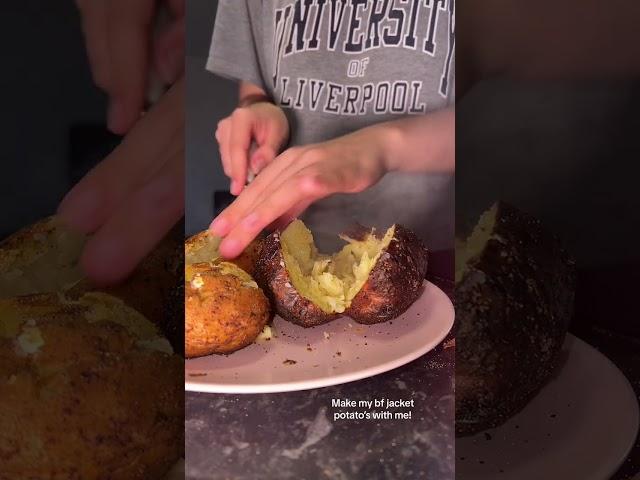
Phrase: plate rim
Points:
(301, 385)
(605, 471)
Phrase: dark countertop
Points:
(293, 435)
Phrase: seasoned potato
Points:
(225, 310)
(89, 389)
(372, 279)
(514, 299)
(43, 258)
(88, 386)
(203, 248)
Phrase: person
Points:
(111, 201)
(337, 98)
(117, 34)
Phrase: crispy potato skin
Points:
(90, 404)
(222, 315)
(393, 285)
(513, 307)
(246, 261)
(273, 277)
(395, 281)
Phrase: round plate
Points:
(338, 352)
(583, 425)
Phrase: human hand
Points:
(130, 200)
(300, 176)
(263, 123)
(122, 49)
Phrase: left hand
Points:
(297, 178)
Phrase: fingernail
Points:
(235, 188)
(230, 248)
(80, 208)
(219, 226)
(250, 221)
(116, 117)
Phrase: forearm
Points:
(418, 144)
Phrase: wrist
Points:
(252, 99)
(389, 137)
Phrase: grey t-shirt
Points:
(336, 66)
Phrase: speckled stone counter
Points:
(294, 435)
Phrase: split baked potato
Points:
(372, 279)
(514, 296)
(89, 389)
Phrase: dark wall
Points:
(565, 152)
(46, 92)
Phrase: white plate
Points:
(338, 352)
(582, 425)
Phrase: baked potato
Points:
(89, 384)
(372, 279)
(203, 248)
(514, 299)
(44, 257)
(225, 310)
(89, 389)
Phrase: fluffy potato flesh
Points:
(330, 281)
(473, 246)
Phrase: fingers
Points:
(262, 157)
(222, 136)
(138, 158)
(286, 218)
(137, 226)
(271, 177)
(94, 26)
(169, 51)
(128, 33)
(304, 187)
(239, 143)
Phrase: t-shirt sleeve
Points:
(233, 52)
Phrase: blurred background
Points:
(565, 149)
(209, 99)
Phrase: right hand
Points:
(262, 123)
